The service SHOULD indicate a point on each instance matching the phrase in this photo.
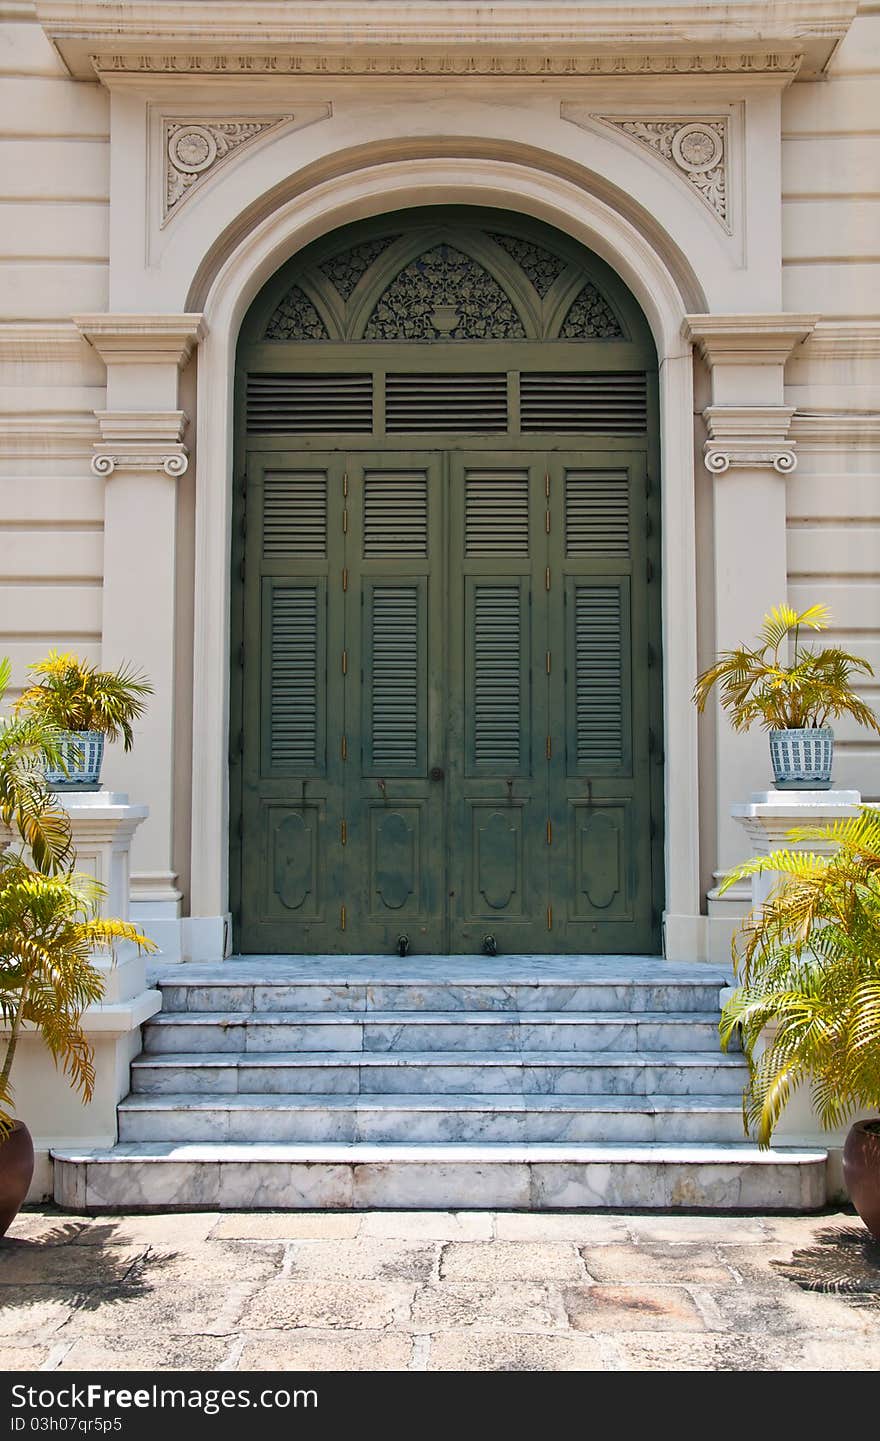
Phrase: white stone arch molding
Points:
(375, 190)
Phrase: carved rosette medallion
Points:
(697, 149)
(193, 149)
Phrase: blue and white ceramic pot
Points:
(802, 758)
(83, 754)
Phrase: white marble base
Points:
(406, 1177)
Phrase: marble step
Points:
(496, 1118)
(622, 1073)
(449, 983)
(400, 1031)
(141, 1176)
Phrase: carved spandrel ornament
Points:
(696, 148)
(194, 149)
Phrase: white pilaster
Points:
(141, 454)
(748, 454)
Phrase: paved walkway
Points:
(391, 1291)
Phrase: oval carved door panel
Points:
(294, 857)
(600, 848)
(394, 845)
(498, 859)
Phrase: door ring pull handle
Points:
(437, 773)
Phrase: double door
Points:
(449, 702)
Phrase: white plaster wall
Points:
(831, 264)
(54, 212)
(80, 231)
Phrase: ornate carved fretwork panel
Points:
(538, 264)
(590, 317)
(441, 287)
(296, 319)
(444, 294)
(346, 269)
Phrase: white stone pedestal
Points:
(103, 823)
(768, 819)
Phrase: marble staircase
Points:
(437, 1082)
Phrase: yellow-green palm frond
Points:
(74, 695)
(762, 685)
(779, 622)
(49, 935)
(808, 965)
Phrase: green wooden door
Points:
(446, 705)
(449, 733)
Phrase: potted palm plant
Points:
(808, 1001)
(792, 691)
(49, 932)
(86, 706)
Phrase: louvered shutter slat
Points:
(599, 676)
(294, 515)
(476, 403)
(497, 513)
(294, 676)
(595, 404)
(300, 404)
(597, 513)
(395, 514)
(497, 677)
(394, 709)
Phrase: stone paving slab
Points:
(438, 1291)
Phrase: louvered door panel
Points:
(395, 513)
(394, 679)
(597, 505)
(294, 515)
(294, 678)
(599, 676)
(496, 513)
(497, 680)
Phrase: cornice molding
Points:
(35, 340)
(746, 436)
(145, 440)
(36, 434)
(581, 34)
(844, 340)
(142, 339)
(563, 63)
(832, 430)
(747, 339)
